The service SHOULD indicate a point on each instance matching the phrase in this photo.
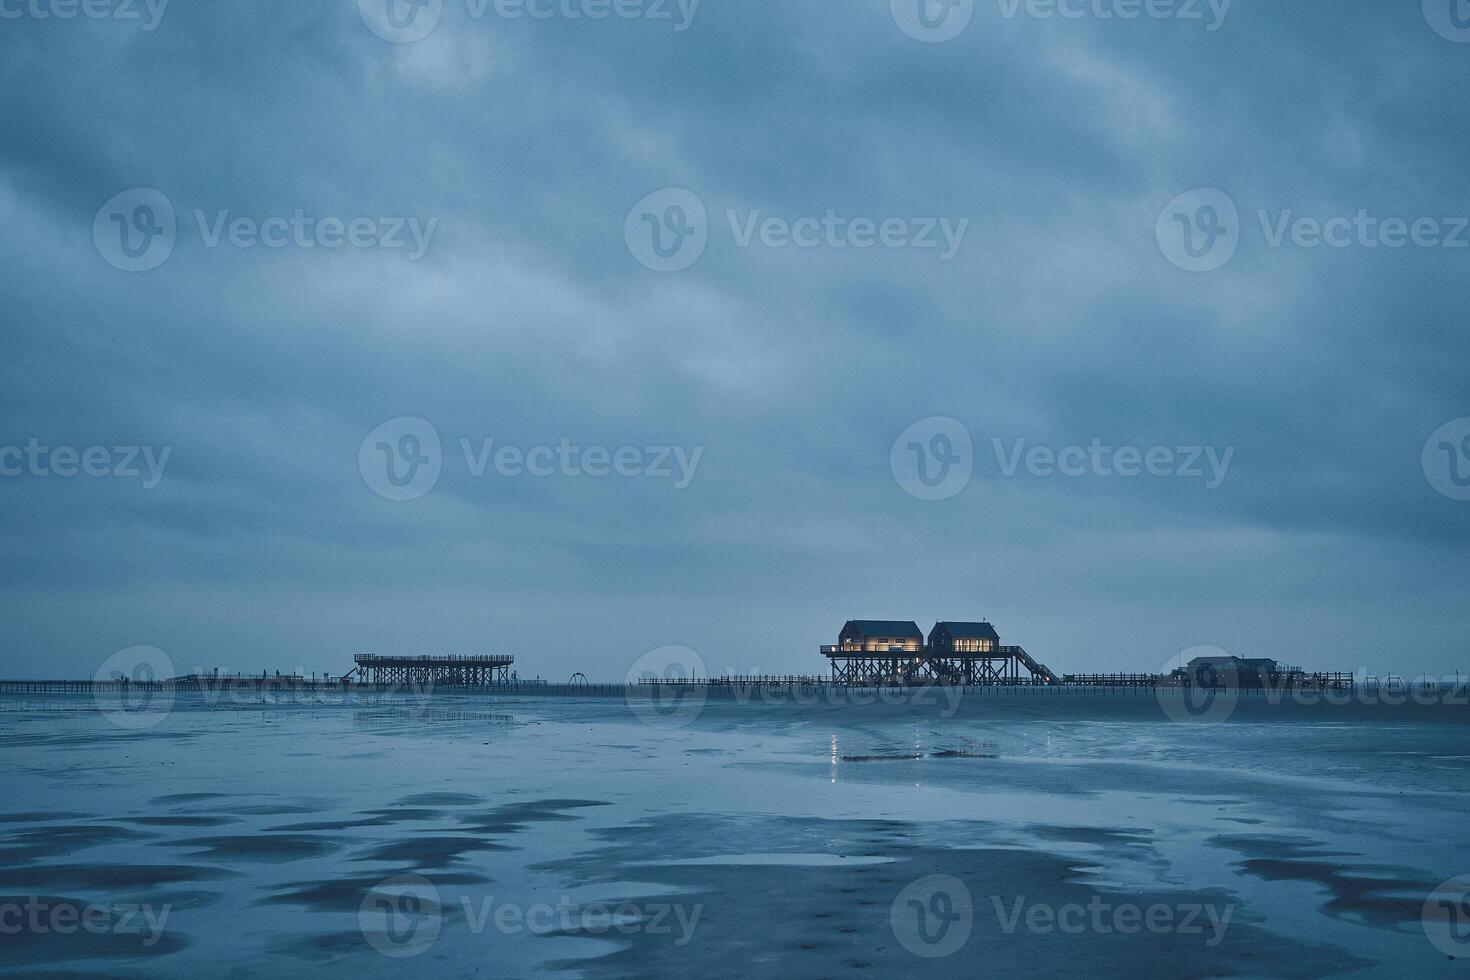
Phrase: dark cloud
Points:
(528, 320)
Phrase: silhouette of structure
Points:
(876, 651)
(473, 671)
(883, 651)
(971, 653)
(1252, 673)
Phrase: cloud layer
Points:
(529, 320)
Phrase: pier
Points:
(893, 652)
(472, 671)
(193, 682)
(1291, 679)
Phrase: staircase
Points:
(1039, 671)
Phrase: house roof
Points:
(971, 631)
(1232, 662)
(883, 627)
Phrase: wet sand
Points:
(761, 840)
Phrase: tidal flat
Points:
(505, 836)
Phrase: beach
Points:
(511, 836)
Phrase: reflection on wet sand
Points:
(784, 841)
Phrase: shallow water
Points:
(509, 837)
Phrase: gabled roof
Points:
(884, 627)
(1232, 662)
(971, 631)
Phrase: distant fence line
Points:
(650, 687)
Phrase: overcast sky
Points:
(995, 239)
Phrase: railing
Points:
(1034, 666)
(372, 659)
(1284, 680)
(1373, 691)
(1112, 680)
(808, 679)
(833, 649)
(733, 681)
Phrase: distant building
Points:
(1237, 672)
(880, 636)
(947, 639)
(886, 651)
